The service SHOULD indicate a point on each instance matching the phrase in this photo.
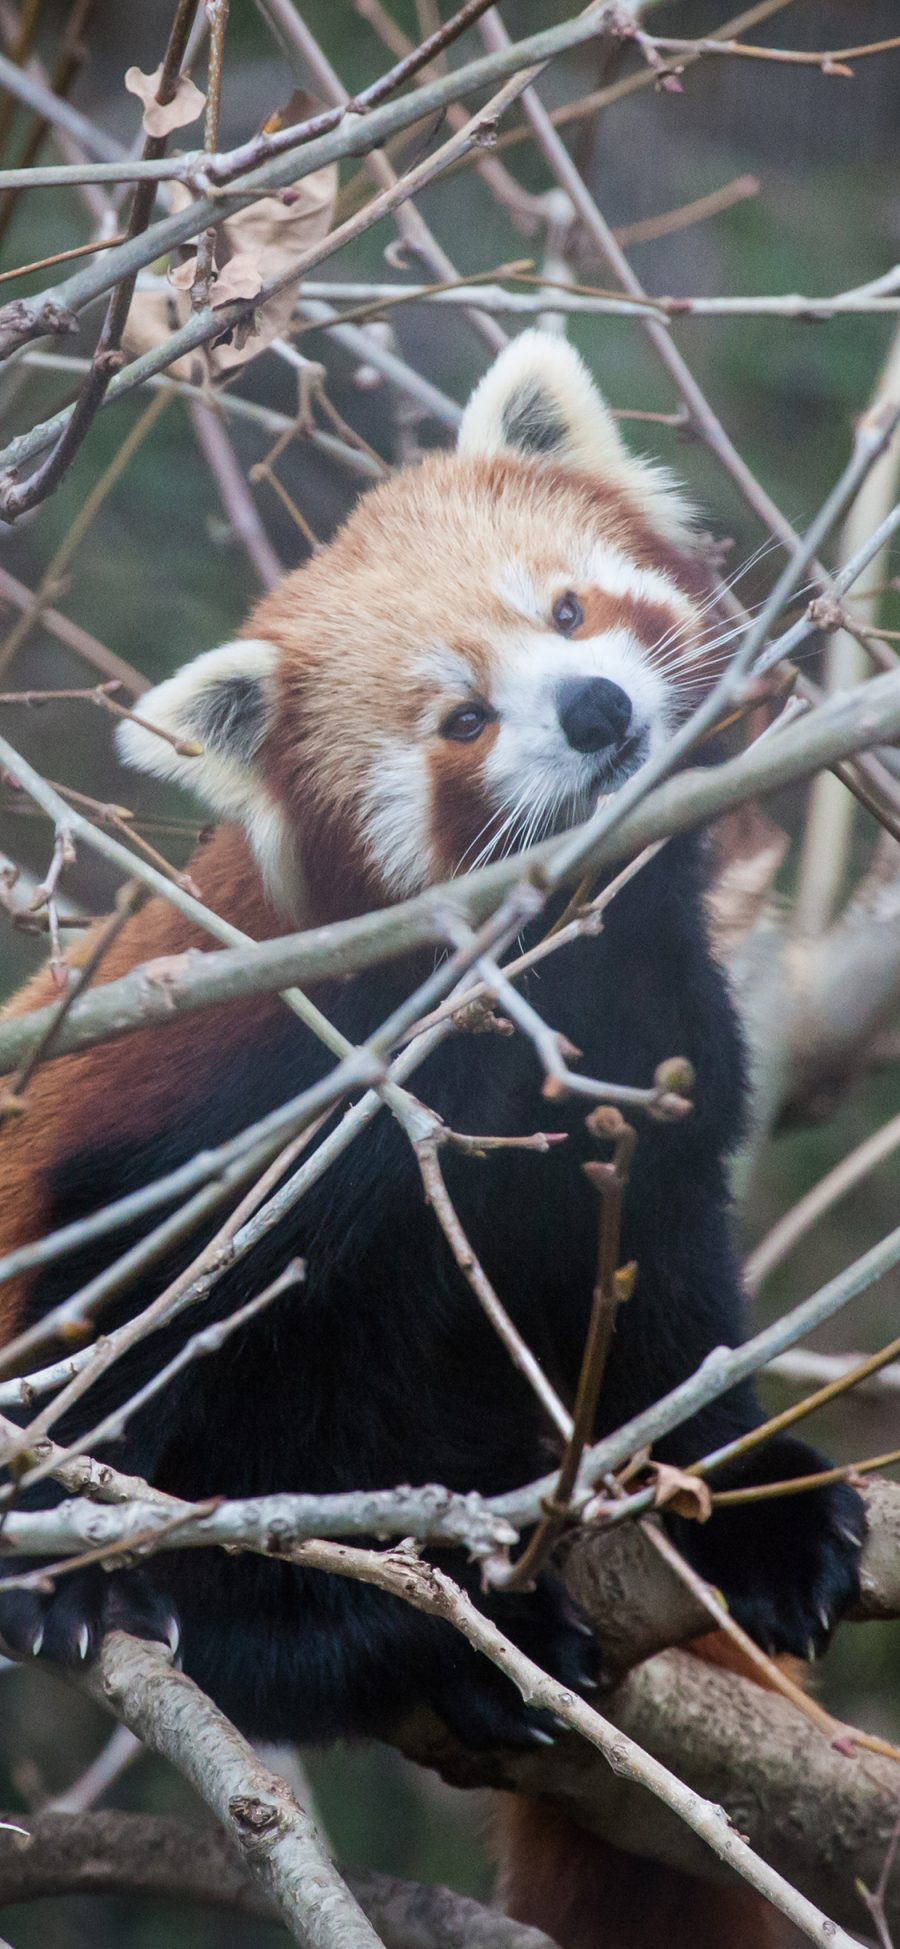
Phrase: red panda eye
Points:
(466, 724)
(568, 614)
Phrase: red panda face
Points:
(492, 641)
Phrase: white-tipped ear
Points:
(220, 704)
(538, 402)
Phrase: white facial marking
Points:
(397, 816)
(532, 763)
(516, 586)
(444, 668)
(612, 574)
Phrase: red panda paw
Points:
(68, 1624)
(788, 1565)
(483, 1707)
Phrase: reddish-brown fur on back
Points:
(586, 1894)
(99, 1095)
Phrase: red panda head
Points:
(491, 641)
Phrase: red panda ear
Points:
(218, 709)
(538, 402)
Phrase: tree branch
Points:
(156, 994)
(275, 1841)
(115, 1853)
(28, 317)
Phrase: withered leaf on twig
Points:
(685, 1495)
(159, 118)
(253, 247)
(268, 238)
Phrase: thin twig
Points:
(795, 1224)
(426, 1149)
(796, 1485)
(612, 1287)
(68, 547)
(829, 60)
(72, 636)
(16, 498)
(62, 257)
(430, 1590)
(772, 1674)
(128, 899)
(722, 1369)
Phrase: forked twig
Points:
(613, 1286)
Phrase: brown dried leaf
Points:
(155, 315)
(239, 279)
(253, 247)
(159, 118)
(270, 235)
(181, 276)
(684, 1494)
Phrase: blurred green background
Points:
(159, 577)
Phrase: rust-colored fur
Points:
(118, 1083)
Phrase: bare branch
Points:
(432, 1591)
(15, 498)
(795, 1224)
(277, 1844)
(804, 1368)
(157, 1855)
(880, 296)
(359, 138)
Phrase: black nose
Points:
(593, 712)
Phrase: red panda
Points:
(492, 640)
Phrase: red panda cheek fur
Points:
(460, 808)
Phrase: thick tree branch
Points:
(275, 1840)
(114, 1853)
(820, 1817)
